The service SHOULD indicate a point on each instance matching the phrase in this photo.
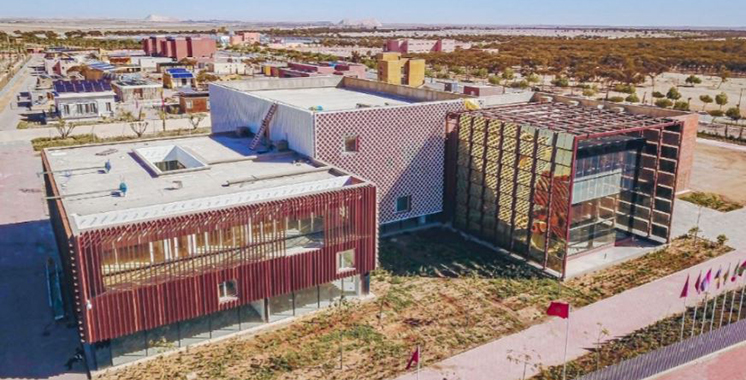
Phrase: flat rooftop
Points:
(573, 119)
(331, 98)
(178, 176)
(335, 92)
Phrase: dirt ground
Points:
(720, 171)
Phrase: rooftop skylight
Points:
(169, 159)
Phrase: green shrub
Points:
(561, 82)
(632, 98)
(681, 105)
(658, 94)
(616, 99)
(663, 103)
(716, 113)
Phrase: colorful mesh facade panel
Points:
(532, 191)
(512, 187)
(150, 274)
(400, 149)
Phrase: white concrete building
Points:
(84, 99)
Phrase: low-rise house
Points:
(176, 78)
(191, 101)
(229, 67)
(129, 90)
(84, 99)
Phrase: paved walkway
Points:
(723, 365)
(620, 315)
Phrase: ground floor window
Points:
(255, 314)
(227, 291)
(404, 204)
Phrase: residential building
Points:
(394, 69)
(177, 78)
(414, 46)
(177, 241)
(191, 101)
(179, 48)
(555, 180)
(391, 135)
(230, 66)
(245, 38)
(131, 90)
(84, 99)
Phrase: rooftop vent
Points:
(169, 159)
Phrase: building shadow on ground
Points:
(32, 344)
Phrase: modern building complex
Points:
(551, 181)
(412, 45)
(391, 135)
(175, 241)
(393, 69)
(179, 48)
(84, 99)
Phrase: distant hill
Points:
(365, 23)
(156, 18)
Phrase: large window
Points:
(304, 232)
(351, 144)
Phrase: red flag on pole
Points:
(685, 291)
(559, 309)
(698, 283)
(706, 281)
(415, 358)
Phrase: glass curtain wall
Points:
(605, 168)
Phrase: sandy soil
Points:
(721, 171)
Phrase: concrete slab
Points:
(330, 98)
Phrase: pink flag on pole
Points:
(706, 281)
(685, 291)
(698, 283)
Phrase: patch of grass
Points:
(433, 288)
(650, 338)
(84, 139)
(711, 200)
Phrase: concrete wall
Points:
(417, 94)
(283, 83)
(231, 109)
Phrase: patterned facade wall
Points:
(401, 150)
(185, 288)
(231, 109)
(511, 186)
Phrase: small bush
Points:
(632, 98)
(716, 113)
(561, 82)
(710, 200)
(616, 99)
(681, 105)
(663, 103)
(658, 94)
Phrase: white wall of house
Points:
(80, 106)
(225, 68)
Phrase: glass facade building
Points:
(524, 179)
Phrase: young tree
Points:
(724, 75)
(705, 99)
(195, 119)
(632, 98)
(733, 113)
(673, 94)
(507, 74)
(139, 127)
(163, 115)
(681, 105)
(692, 80)
(64, 128)
(658, 95)
(663, 103)
(721, 99)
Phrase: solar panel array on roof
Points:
(102, 66)
(179, 73)
(61, 86)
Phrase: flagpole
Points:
(704, 315)
(567, 340)
(714, 310)
(725, 298)
(740, 303)
(694, 319)
(732, 303)
(419, 359)
(683, 319)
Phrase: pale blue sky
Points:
(719, 13)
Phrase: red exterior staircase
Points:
(264, 128)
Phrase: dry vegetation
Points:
(434, 289)
(711, 200)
